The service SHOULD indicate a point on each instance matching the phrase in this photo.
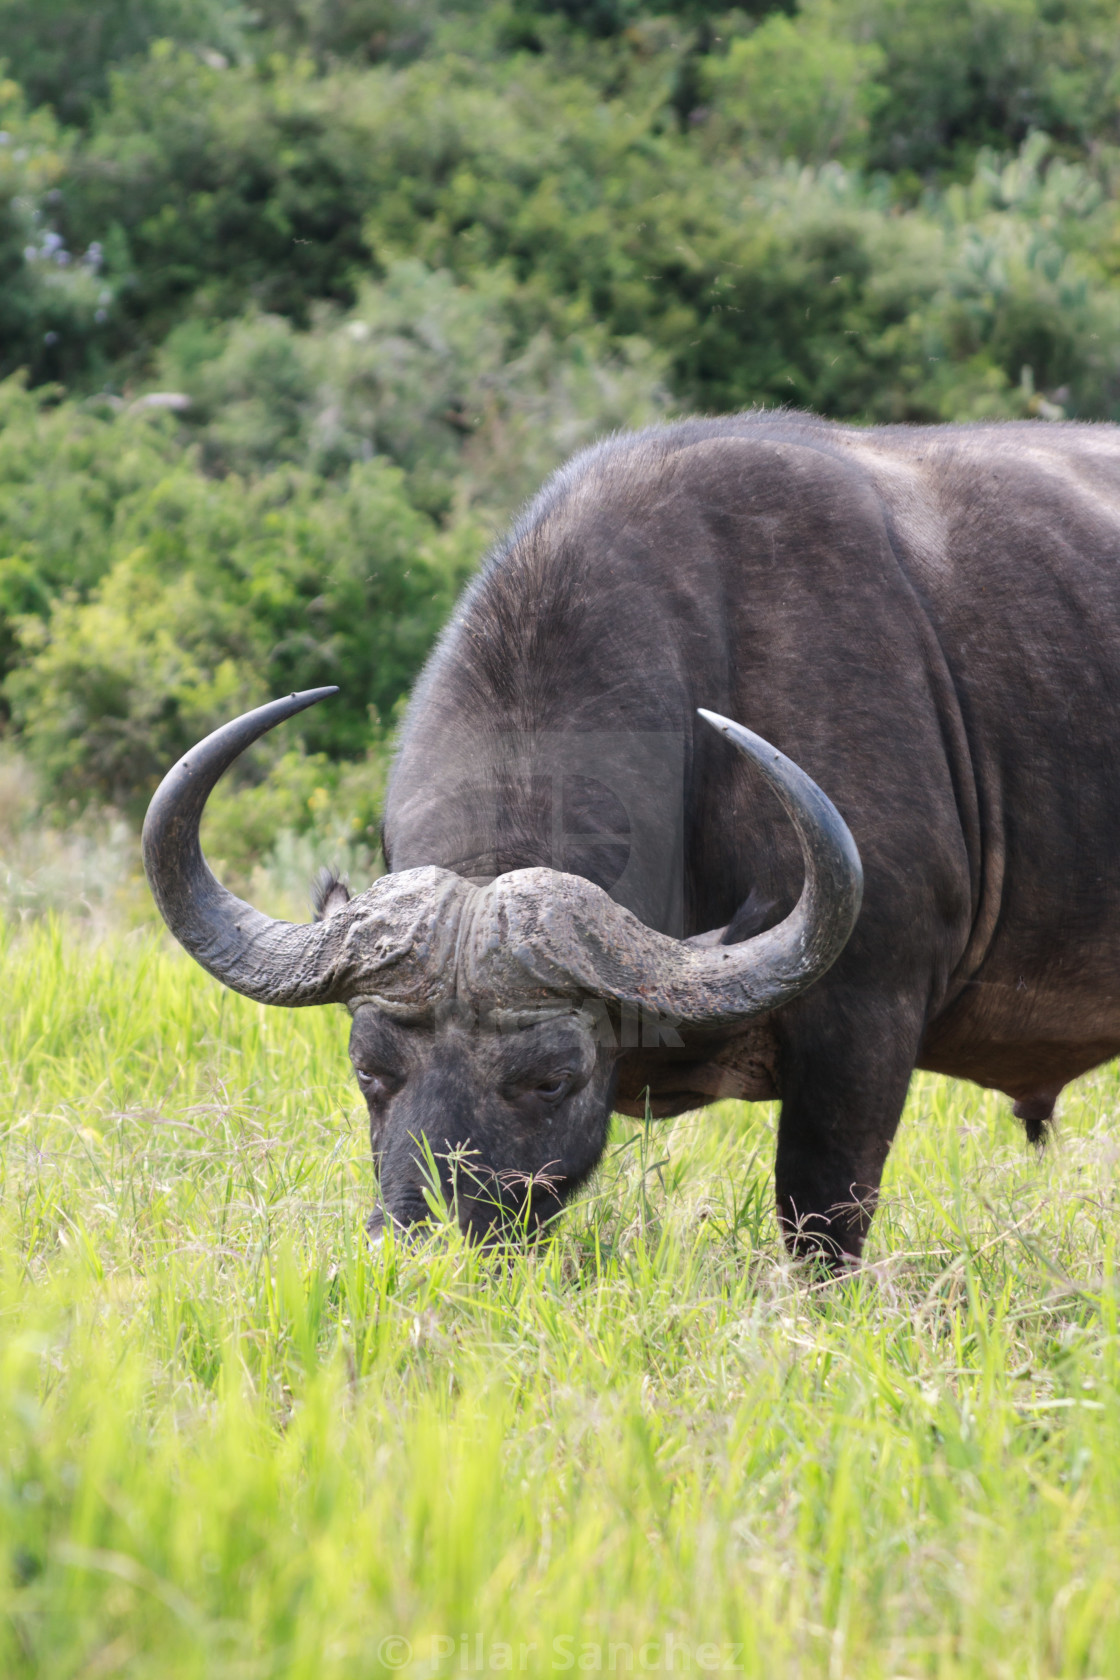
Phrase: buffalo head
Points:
(488, 1016)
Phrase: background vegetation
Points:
(299, 301)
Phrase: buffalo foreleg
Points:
(844, 1075)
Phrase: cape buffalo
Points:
(593, 896)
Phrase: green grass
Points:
(236, 1443)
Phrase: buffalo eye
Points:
(553, 1088)
(375, 1086)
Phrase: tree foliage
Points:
(304, 298)
(307, 519)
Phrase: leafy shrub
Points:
(364, 31)
(964, 74)
(220, 186)
(88, 868)
(1020, 294)
(62, 51)
(424, 372)
(54, 302)
(66, 471)
(565, 204)
(798, 87)
(222, 593)
(924, 84)
(309, 521)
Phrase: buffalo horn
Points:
(425, 935)
(271, 961)
(563, 933)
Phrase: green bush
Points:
(62, 51)
(309, 520)
(566, 202)
(221, 186)
(66, 471)
(422, 371)
(918, 84)
(798, 87)
(55, 303)
(963, 74)
(222, 593)
(364, 31)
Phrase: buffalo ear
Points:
(329, 894)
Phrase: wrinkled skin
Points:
(536, 1100)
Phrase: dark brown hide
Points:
(928, 621)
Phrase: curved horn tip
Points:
(230, 939)
(213, 755)
(298, 701)
(311, 696)
(737, 732)
(827, 845)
